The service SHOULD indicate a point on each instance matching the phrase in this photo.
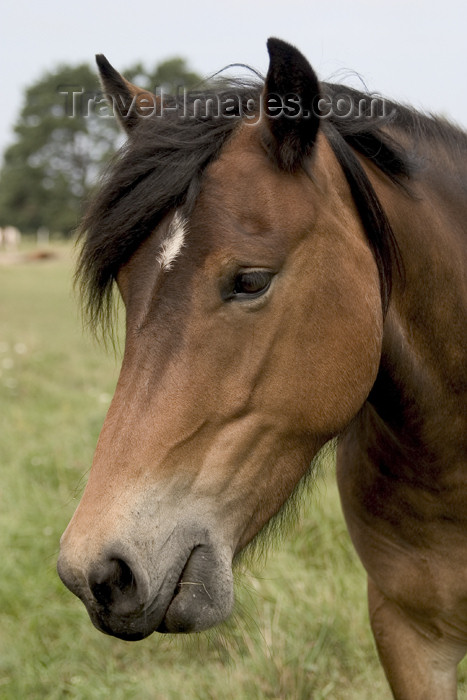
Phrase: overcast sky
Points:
(411, 50)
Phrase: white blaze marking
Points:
(173, 244)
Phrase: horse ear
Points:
(128, 101)
(291, 93)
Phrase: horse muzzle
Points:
(184, 586)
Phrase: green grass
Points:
(301, 630)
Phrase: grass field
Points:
(301, 631)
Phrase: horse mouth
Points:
(201, 598)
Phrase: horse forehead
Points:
(242, 159)
(173, 242)
(245, 181)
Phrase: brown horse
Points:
(292, 260)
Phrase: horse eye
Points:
(248, 285)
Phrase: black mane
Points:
(161, 167)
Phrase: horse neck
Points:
(421, 385)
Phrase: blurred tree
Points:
(62, 141)
(49, 168)
(169, 75)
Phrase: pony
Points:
(291, 256)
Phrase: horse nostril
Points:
(112, 582)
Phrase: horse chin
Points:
(203, 597)
(204, 594)
(128, 630)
